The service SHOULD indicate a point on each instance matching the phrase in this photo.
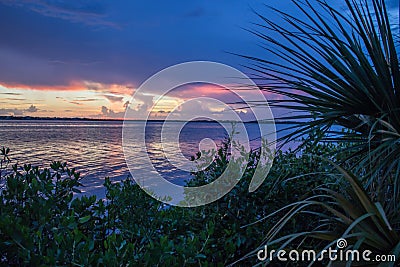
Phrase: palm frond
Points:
(338, 70)
(350, 214)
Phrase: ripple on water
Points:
(95, 148)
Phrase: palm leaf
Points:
(350, 214)
(337, 71)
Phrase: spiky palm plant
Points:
(338, 73)
(339, 70)
(349, 214)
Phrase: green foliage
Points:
(44, 223)
(338, 74)
(333, 70)
(346, 76)
(347, 213)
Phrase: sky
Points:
(86, 58)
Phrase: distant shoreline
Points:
(29, 118)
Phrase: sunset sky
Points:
(86, 58)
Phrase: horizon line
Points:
(11, 117)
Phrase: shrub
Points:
(46, 222)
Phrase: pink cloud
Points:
(121, 89)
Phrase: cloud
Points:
(137, 111)
(9, 93)
(113, 98)
(78, 100)
(8, 111)
(86, 12)
(147, 102)
(203, 109)
(190, 91)
(14, 99)
(32, 109)
(229, 94)
(43, 51)
(82, 99)
(126, 104)
(109, 113)
(105, 111)
(118, 89)
(71, 86)
(75, 103)
(18, 112)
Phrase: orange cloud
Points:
(226, 94)
(75, 86)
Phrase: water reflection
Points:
(95, 147)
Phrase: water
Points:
(94, 148)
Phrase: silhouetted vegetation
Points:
(338, 184)
(339, 70)
(41, 222)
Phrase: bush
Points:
(44, 223)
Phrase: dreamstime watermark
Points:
(341, 254)
(159, 87)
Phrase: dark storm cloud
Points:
(31, 41)
(54, 42)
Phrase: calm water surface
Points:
(95, 147)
